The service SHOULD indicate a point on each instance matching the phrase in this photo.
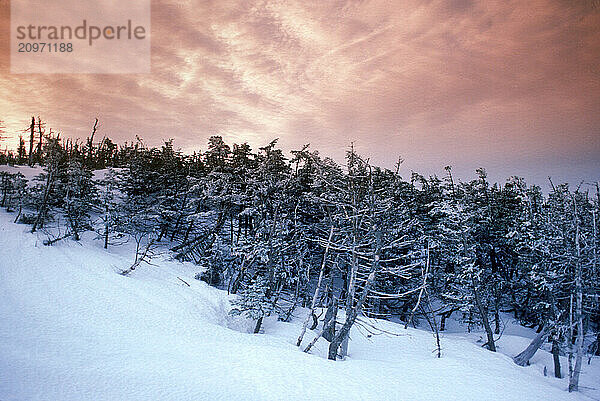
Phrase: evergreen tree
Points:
(254, 302)
(45, 197)
(79, 197)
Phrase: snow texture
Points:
(71, 328)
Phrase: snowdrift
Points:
(71, 328)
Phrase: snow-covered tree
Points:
(79, 192)
(12, 190)
(254, 302)
(44, 196)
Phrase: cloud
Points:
(505, 84)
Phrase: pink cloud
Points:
(501, 84)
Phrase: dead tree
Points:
(40, 143)
(90, 145)
(31, 139)
(523, 358)
(141, 256)
(328, 330)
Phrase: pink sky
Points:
(513, 86)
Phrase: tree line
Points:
(283, 232)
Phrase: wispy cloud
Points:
(502, 84)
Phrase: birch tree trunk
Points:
(574, 374)
(574, 379)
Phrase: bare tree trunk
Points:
(176, 228)
(326, 327)
(70, 218)
(31, 139)
(446, 315)
(484, 318)
(231, 228)
(424, 273)
(523, 358)
(344, 332)
(556, 358)
(316, 296)
(39, 147)
(106, 224)
(349, 302)
(187, 232)
(55, 240)
(146, 254)
(235, 285)
(90, 144)
(258, 324)
(432, 323)
(329, 321)
(496, 321)
(18, 214)
(574, 376)
(42, 212)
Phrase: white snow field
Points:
(71, 328)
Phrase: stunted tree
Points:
(139, 216)
(538, 293)
(255, 302)
(349, 242)
(45, 195)
(579, 252)
(107, 203)
(218, 153)
(371, 230)
(469, 286)
(79, 197)
(21, 151)
(563, 276)
(12, 190)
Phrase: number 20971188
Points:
(43, 47)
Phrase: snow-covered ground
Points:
(28, 172)
(71, 328)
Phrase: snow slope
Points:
(71, 328)
(28, 172)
